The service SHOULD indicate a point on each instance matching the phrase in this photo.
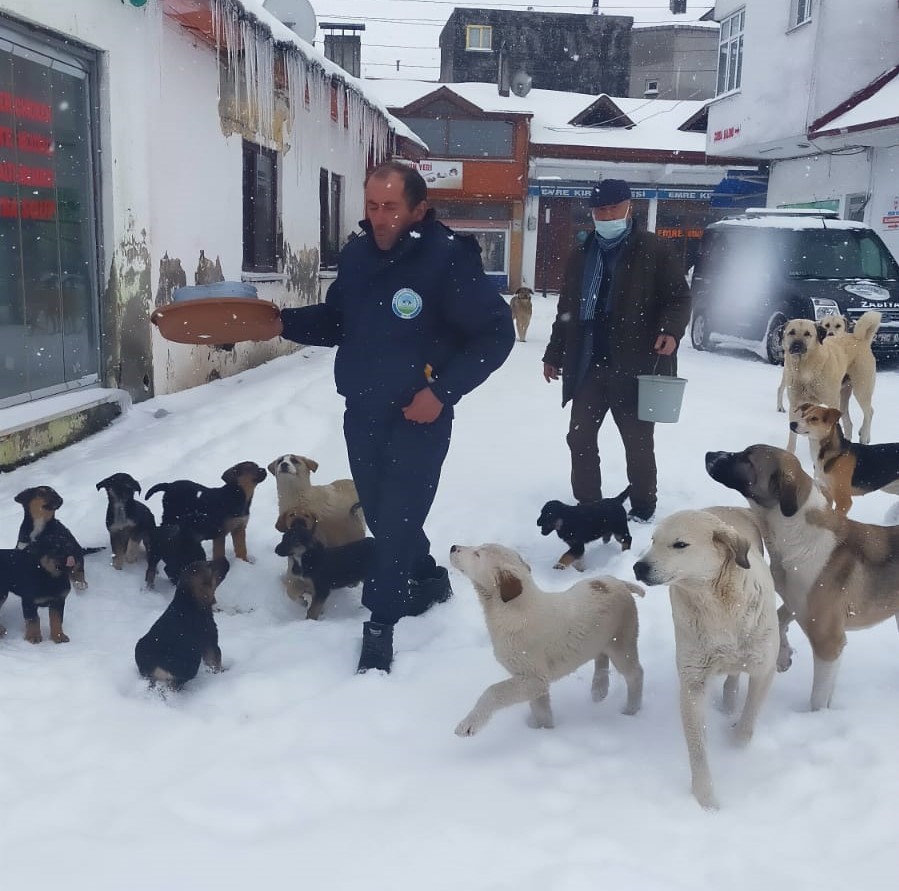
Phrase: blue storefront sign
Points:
(582, 190)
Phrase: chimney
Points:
(595, 9)
(677, 7)
(343, 45)
(502, 71)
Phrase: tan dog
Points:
(335, 506)
(521, 307)
(539, 638)
(843, 468)
(829, 326)
(827, 370)
(725, 622)
(834, 575)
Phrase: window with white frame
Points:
(800, 12)
(730, 53)
(478, 37)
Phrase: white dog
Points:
(725, 622)
(541, 637)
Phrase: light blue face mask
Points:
(610, 228)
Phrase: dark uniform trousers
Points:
(602, 391)
(396, 466)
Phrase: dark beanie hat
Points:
(610, 191)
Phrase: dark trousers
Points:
(601, 392)
(396, 467)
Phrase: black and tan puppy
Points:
(186, 632)
(39, 575)
(129, 522)
(324, 568)
(39, 524)
(843, 468)
(579, 524)
(213, 513)
(175, 547)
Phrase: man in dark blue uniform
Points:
(417, 325)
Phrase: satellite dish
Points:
(298, 15)
(521, 83)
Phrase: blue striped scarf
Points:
(592, 280)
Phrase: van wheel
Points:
(774, 338)
(699, 332)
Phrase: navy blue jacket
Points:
(390, 313)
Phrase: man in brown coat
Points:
(624, 304)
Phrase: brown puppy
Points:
(521, 307)
(213, 513)
(834, 325)
(844, 468)
(827, 370)
(833, 574)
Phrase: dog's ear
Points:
(311, 464)
(734, 543)
(821, 331)
(273, 466)
(101, 485)
(24, 496)
(134, 485)
(284, 521)
(230, 475)
(509, 585)
(786, 490)
(832, 416)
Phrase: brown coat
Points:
(650, 297)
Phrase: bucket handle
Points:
(659, 357)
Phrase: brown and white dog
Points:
(539, 638)
(834, 575)
(827, 370)
(843, 468)
(522, 308)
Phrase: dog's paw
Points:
(559, 565)
(543, 723)
(785, 658)
(2, 631)
(703, 793)
(781, 409)
(249, 558)
(79, 586)
(740, 736)
(61, 637)
(470, 725)
(600, 688)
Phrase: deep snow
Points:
(289, 771)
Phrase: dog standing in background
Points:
(521, 307)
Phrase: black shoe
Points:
(641, 515)
(377, 648)
(425, 592)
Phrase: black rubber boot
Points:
(377, 648)
(425, 592)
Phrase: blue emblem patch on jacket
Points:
(406, 303)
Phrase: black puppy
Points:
(39, 575)
(39, 524)
(186, 632)
(325, 568)
(176, 547)
(213, 513)
(579, 524)
(129, 522)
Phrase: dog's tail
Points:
(867, 325)
(623, 496)
(159, 487)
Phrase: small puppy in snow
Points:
(539, 638)
(522, 309)
(725, 621)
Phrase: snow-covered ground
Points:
(289, 771)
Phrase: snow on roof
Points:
(282, 34)
(880, 108)
(656, 120)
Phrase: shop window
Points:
(479, 37)
(494, 248)
(855, 207)
(49, 293)
(260, 209)
(730, 53)
(330, 197)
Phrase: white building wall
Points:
(819, 178)
(885, 197)
(171, 183)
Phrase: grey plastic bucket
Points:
(659, 397)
